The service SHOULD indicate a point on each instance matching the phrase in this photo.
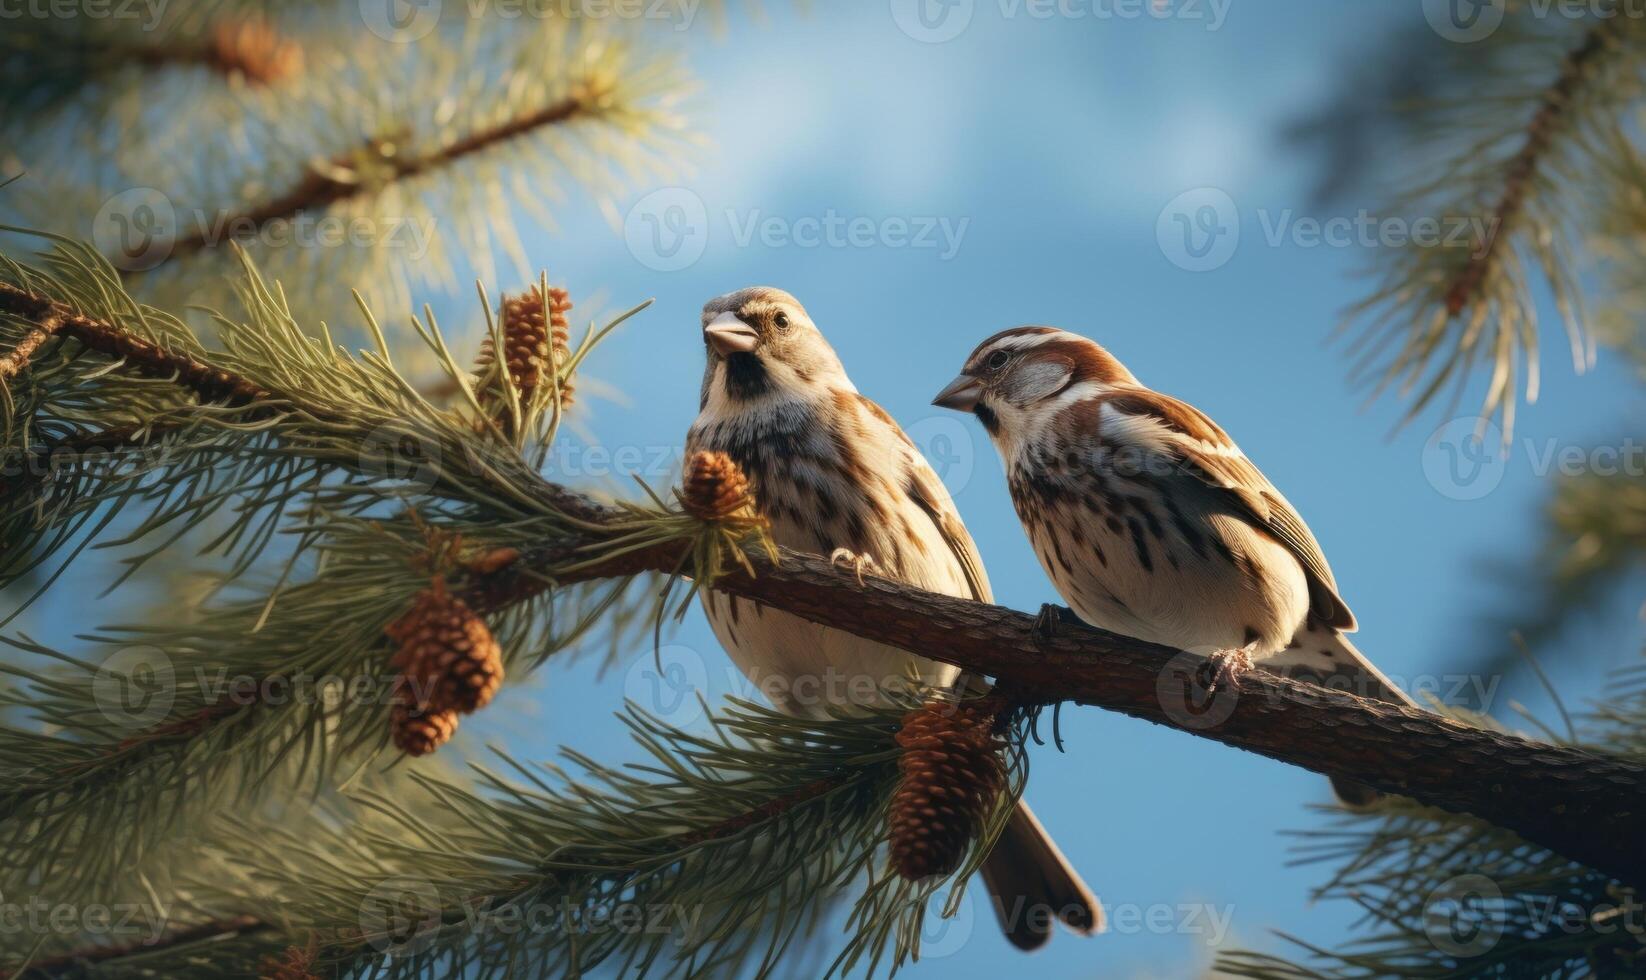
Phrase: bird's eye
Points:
(998, 360)
(781, 320)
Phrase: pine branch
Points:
(1519, 172)
(50, 317)
(1576, 803)
(322, 187)
(1489, 163)
(245, 925)
(64, 965)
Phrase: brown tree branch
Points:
(203, 932)
(209, 382)
(1583, 805)
(321, 188)
(1576, 67)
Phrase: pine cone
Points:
(447, 654)
(714, 486)
(534, 346)
(253, 48)
(295, 964)
(419, 731)
(952, 775)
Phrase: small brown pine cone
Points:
(449, 658)
(419, 731)
(253, 48)
(952, 775)
(534, 344)
(714, 486)
(296, 963)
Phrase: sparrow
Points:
(1150, 521)
(835, 476)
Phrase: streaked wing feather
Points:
(927, 490)
(1208, 453)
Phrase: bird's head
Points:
(1018, 374)
(760, 343)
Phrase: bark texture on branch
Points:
(1583, 805)
(1580, 804)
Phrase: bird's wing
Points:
(927, 491)
(1160, 424)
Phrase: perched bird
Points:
(1152, 523)
(835, 476)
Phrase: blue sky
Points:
(1052, 147)
(1022, 171)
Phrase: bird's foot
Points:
(845, 558)
(1227, 667)
(1048, 623)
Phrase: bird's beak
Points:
(962, 394)
(729, 335)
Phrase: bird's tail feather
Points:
(1032, 884)
(1325, 656)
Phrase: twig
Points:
(15, 361)
(206, 931)
(1522, 167)
(319, 188)
(210, 383)
(247, 925)
(1580, 804)
(1583, 805)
